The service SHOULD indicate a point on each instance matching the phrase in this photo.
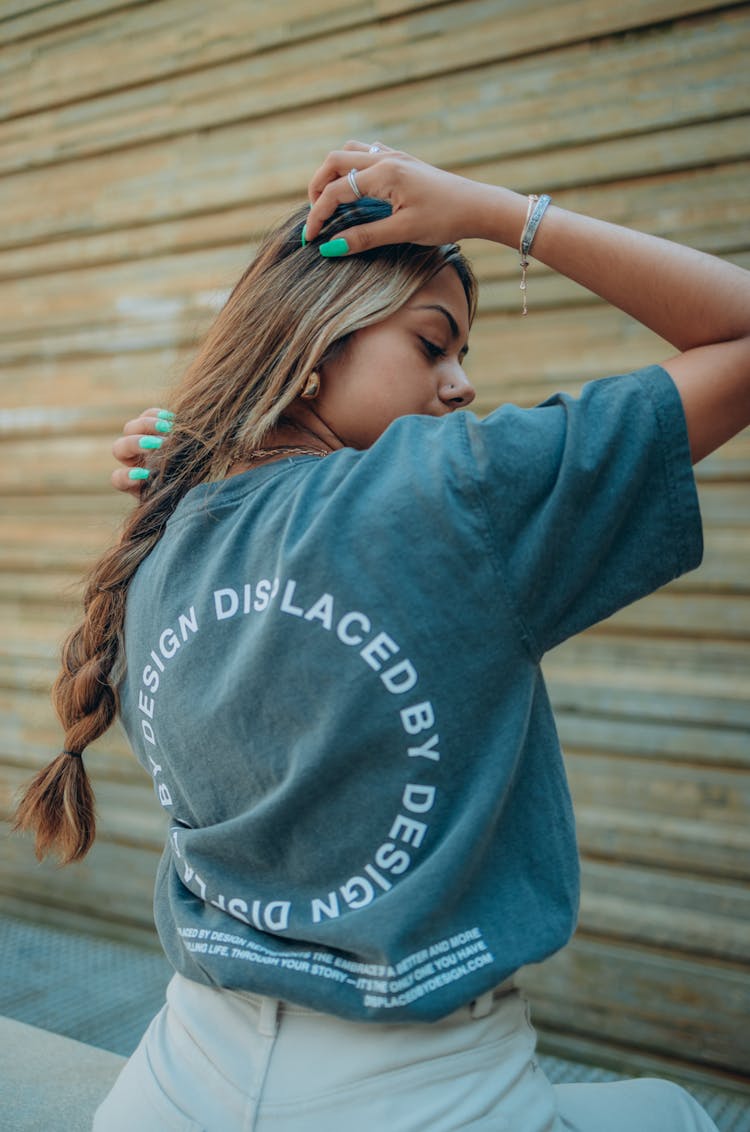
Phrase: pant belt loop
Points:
(482, 1006)
(269, 1017)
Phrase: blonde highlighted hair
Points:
(290, 312)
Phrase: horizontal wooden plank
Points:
(649, 905)
(179, 294)
(74, 508)
(688, 815)
(666, 802)
(687, 614)
(80, 440)
(20, 19)
(723, 504)
(141, 934)
(35, 640)
(687, 914)
(555, 349)
(52, 587)
(606, 159)
(165, 39)
(53, 546)
(65, 592)
(629, 1061)
(604, 683)
(236, 227)
(582, 344)
(624, 87)
(161, 91)
(60, 462)
(29, 665)
(680, 740)
(110, 884)
(729, 463)
(652, 658)
(654, 1001)
(79, 396)
(21, 672)
(710, 848)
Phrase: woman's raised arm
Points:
(696, 302)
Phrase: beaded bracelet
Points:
(535, 211)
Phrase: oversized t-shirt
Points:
(333, 679)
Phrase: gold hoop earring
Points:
(312, 387)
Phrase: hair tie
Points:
(74, 754)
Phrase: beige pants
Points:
(219, 1061)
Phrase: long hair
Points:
(291, 311)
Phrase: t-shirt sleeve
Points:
(590, 501)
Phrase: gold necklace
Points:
(285, 449)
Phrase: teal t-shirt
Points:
(333, 678)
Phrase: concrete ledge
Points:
(49, 1083)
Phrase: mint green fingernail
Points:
(138, 474)
(150, 442)
(304, 235)
(163, 426)
(334, 248)
(165, 414)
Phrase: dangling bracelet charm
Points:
(536, 209)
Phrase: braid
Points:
(58, 803)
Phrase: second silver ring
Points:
(352, 179)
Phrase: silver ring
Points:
(375, 149)
(352, 179)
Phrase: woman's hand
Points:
(429, 205)
(139, 437)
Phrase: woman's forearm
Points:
(685, 296)
(698, 303)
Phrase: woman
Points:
(334, 596)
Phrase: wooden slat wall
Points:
(143, 148)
